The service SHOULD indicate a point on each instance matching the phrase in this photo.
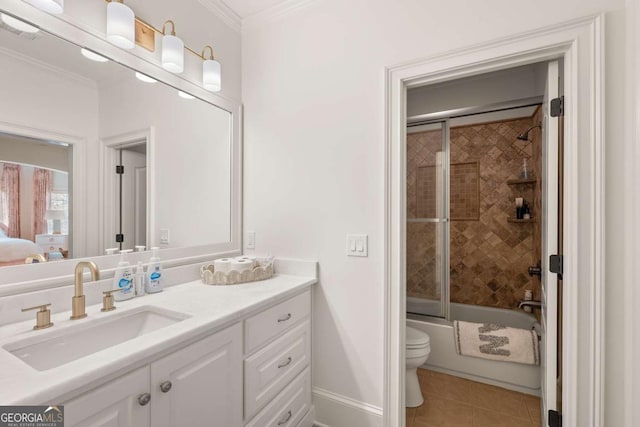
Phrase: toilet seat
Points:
(416, 338)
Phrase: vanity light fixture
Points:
(185, 95)
(18, 24)
(121, 25)
(145, 78)
(89, 54)
(172, 50)
(211, 79)
(50, 6)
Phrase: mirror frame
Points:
(28, 278)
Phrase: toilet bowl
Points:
(417, 352)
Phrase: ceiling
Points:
(246, 8)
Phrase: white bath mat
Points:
(495, 342)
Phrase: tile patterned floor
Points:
(455, 402)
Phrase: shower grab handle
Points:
(428, 220)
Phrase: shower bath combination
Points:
(468, 252)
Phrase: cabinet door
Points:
(200, 385)
(114, 404)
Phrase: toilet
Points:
(417, 353)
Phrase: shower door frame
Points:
(444, 220)
(580, 44)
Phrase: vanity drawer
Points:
(289, 407)
(264, 326)
(268, 371)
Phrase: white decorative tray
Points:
(262, 270)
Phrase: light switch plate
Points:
(357, 245)
(164, 236)
(250, 240)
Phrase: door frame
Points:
(580, 44)
(108, 160)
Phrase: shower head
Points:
(524, 136)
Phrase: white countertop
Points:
(211, 308)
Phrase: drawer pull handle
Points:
(284, 319)
(282, 365)
(165, 386)
(144, 398)
(286, 420)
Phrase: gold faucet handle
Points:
(107, 299)
(43, 316)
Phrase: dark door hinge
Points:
(556, 265)
(119, 238)
(119, 169)
(555, 419)
(557, 107)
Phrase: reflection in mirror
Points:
(96, 155)
(34, 199)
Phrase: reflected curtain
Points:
(42, 184)
(10, 193)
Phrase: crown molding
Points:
(270, 14)
(60, 72)
(224, 12)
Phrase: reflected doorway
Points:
(131, 207)
(126, 182)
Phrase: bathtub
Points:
(443, 357)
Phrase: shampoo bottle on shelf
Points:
(154, 273)
(123, 278)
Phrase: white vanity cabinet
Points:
(256, 373)
(198, 385)
(115, 404)
(277, 373)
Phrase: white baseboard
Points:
(334, 410)
(307, 421)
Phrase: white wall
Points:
(191, 157)
(632, 247)
(313, 88)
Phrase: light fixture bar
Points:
(146, 25)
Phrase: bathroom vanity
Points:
(191, 355)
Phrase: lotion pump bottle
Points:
(123, 278)
(139, 280)
(154, 273)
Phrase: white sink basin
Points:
(67, 345)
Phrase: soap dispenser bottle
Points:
(139, 280)
(123, 279)
(154, 273)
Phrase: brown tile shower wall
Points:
(489, 256)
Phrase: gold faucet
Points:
(78, 301)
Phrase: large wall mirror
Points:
(97, 155)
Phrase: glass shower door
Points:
(428, 219)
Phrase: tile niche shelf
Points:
(512, 219)
(521, 181)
